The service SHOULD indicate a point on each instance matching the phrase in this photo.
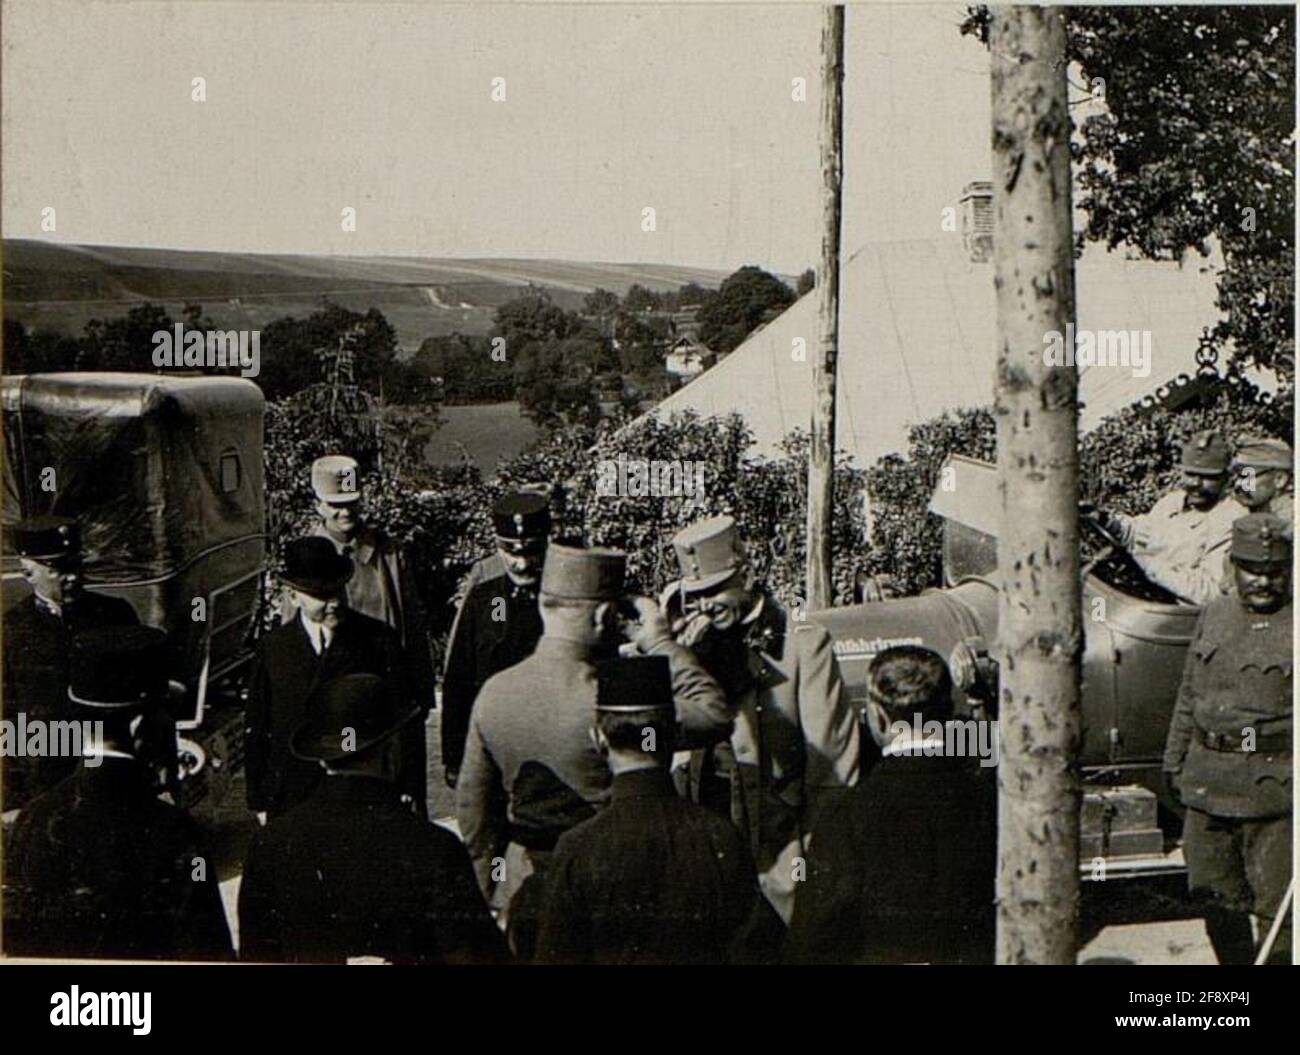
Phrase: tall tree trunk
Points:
(1040, 637)
(821, 448)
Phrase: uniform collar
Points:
(44, 604)
(643, 784)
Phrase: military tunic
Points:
(36, 644)
(654, 879)
(497, 626)
(1181, 548)
(1229, 748)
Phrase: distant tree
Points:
(532, 316)
(555, 379)
(638, 298)
(467, 367)
(806, 282)
(693, 293)
(124, 343)
(740, 305)
(600, 302)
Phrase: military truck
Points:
(165, 477)
(1136, 638)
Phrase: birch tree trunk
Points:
(1040, 637)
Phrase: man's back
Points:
(98, 866)
(352, 872)
(902, 868)
(653, 879)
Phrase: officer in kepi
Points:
(37, 635)
(498, 623)
(1262, 476)
(1228, 753)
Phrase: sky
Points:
(387, 108)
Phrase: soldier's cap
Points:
(708, 553)
(353, 712)
(335, 478)
(46, 538)
(522, 520)
(1264, 453)
(117, 667)
(1261, 538)
(1205, 454)
(580, 574)
(637, 683)
(313, 566)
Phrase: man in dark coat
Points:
(100, 866)
(37, 635)
(351, 872)
(654, 879)
(324, 640)
(498, 623)
(902, 868)
(1228, 753)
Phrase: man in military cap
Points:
(99, 866)
(1262, 477)
(37, 635)
(1180, 542)
(652, 879)
(350, 872)
(530, 771)
(902, 868)
(1229, 748)
(795, 737)
(325, 640)
(498, 623)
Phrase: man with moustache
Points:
(1262, 477)
(1228, 754)
(498, 622)
(1179, 543)
(294, 661)
(795, 738)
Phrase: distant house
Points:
(686, 323)
(688, 358)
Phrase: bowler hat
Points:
(313, 566)
(1205, 454)
(118, 667)
(580, 574)
(353, 712)
(1261, 538)
(334, 478)
(635, 683)
(46, 537)
(708, 553)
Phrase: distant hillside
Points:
(59, 287)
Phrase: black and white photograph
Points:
(649, 484)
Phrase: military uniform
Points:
(37, 638)
(1179, 547)
(795, 739)
(498, 623)
(530, 771)
(1229, 752)
(99, 866)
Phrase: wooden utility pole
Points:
(1039, 633)
(821, 456)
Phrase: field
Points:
(486, 433)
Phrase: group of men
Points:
(637, 780)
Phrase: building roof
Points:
(918, 336)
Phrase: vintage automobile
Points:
(1136, 638)
(165, 476)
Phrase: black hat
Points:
(637, 683)
(353, 712)
(118, 666)
(522, 515)
(46, 538)
(313, 566)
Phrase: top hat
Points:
(1257, 453)
(334, 478)
(117, 667)
(46, 538)
(522, 520)
(637, 683)
(313, 566)
(1205, 454)
(708, 553)
(1261, 538)
(352, 713)
(578, 574)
